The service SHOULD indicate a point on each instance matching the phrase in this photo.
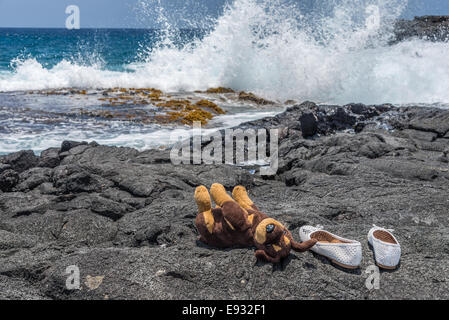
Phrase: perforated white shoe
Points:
(344, 252)
(387, 251)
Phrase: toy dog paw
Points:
(236, 221)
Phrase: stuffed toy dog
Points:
(237, 222)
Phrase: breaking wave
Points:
(335, 52)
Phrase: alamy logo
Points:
(73, 279)
(73, 20)
(373, 280)
(235, 147)
(373, 20)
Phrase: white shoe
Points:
(343, 252)
(387, 250)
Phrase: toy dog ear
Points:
(261, 234)
(303, 246)
(264, 229)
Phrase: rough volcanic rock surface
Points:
(126, 218)
(433, 28)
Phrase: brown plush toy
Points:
(237, 222)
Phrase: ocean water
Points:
(337, 53)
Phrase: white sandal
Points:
(387, 251)
(344, 252)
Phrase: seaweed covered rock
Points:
(245, 96)
(220, 90)
(210, 105)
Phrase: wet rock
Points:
(340, 119)
(433, 28)
(309, 125)
(361, 109)
(245, 96)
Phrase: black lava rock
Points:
(20, 161)
(309, 124)
(49, 158)
(67, 145)
(8, 180)
(126, 218)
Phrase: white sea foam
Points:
(272, 48)
(115, 133)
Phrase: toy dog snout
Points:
(274, 241)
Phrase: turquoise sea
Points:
(254, 46)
